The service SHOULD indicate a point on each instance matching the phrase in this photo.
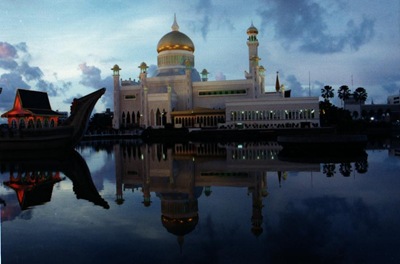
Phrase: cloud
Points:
(305, 24)
(207, 14)
(391, 88)
(29, 72)
(295, 86)
(220, 76)
(15, 60)
(10, 82)
(7, 51)
(91, 77)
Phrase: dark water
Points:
(199, 203)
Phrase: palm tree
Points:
(327, 92)
(360, 95)
(344, 94)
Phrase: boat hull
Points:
(43, 139)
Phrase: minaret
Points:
(252, 43)
(117, 110)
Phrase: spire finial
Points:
(277, 85)
(175, 26)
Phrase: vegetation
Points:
(327, 93)
(360, 95)
(344, 93)
(357, 122)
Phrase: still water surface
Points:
(126, 202)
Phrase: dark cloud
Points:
(10, 82)
(207, 15)
(294, 85)
(7, 51)
(303, 24)
(391, 88)
(29, 72)
(15, 60)
(91, 77)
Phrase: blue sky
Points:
(67, 47)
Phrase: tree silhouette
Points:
(360, 95)
(344, 93)
(327, 92)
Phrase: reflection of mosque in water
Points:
(179, 175)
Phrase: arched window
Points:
(128, 118)
(14, 124)
(38, 123)
(158, 117)
(22, 123)
(138, 118)
(30, 123)
(123, 119)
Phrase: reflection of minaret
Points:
(118, 174)
(259, 191)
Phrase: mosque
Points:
(179, 96)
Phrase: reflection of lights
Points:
(372, 118)
(240, 146)
(142, 157)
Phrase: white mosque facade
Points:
(181, 96)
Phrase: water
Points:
(201, 203)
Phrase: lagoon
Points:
(200, 202)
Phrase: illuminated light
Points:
(142, 157)
(240, 146)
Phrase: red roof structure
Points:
(31, 109)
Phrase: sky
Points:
(68, 47)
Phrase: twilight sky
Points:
(67, 47)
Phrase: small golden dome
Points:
(252, 29)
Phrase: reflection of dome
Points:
(180, 226)
(175, 40)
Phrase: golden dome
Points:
(175, 40)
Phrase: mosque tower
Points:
(252, 43)
(117, 113)
(256, 72)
